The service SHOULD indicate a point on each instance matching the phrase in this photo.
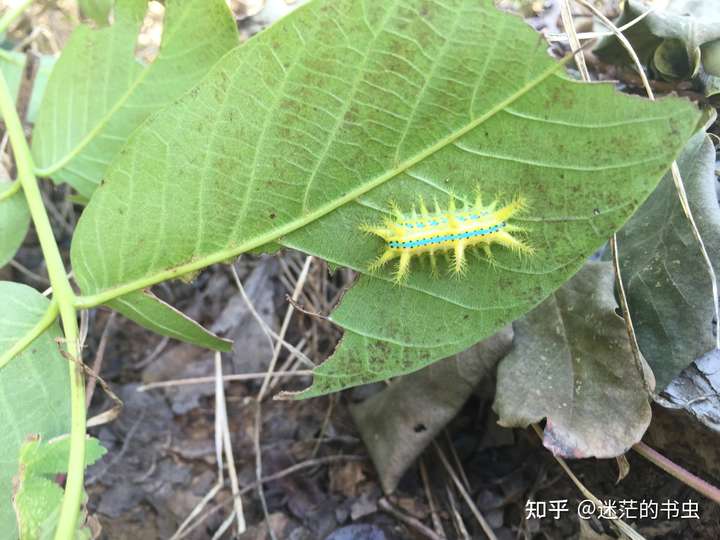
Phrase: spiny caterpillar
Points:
(453, 231)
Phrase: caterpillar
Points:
(452, 230)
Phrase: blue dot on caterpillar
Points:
(448, 231)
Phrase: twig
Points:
(410, 521)
(159, 348)
(105, 416)
(29, 273)
(227, 444)
(456, 459)
(185, 527)
(226, 378)
(290, 365)
(465, 495)
(457, 518)
(686, 477)
(437, 524)
(271, 478)
(569, 25)
(646, 374)
(263, 390)
(325, 423)
(609, 511)
(595, 35)
(301, 309)
(269, 332)
(97, 363)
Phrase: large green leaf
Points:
(666, 279)
(34, 398)
(572, 364)
(98, 92)
(313, 125)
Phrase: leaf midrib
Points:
(105, 120)
(93, 300)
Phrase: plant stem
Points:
(65, 298)
(672, 468)
(24, 342)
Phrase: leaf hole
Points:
(147, 46)
(419, 428)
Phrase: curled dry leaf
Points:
(573, 365)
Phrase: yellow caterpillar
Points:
(452, 230)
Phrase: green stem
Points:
(43, 324)
(64, 296)
(11, 14)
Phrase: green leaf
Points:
(572, 364)
(45, 65)
(34, 397)
(112, 93)
(666, 279)
(12, 65)
(14, 223)
(149, 311)
(49, 458)
(309, 129)
(37, 497)
(97, 10)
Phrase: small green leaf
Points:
(14, 223)
(666, 279)
(49, 458)
(149, 311)
(37, 504)
(352, 104)
(37, 497)
(112, 93)
(34, 397)
(572, 364)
